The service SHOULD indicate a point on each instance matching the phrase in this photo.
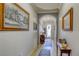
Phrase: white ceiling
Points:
(46, 7)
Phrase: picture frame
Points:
(34, 26)
(14, 17)
(67, 21)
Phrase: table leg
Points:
(68, 54)
(61, 54)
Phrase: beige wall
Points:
(71, 37)
(19, 42)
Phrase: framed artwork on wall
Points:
(67, 21)
(15, 17)
(34, 26)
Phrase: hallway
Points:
(22, 25)
(46, 49)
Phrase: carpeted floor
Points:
(46, 50)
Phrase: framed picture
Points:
(67, 21)
(15, 17)
(34, 26)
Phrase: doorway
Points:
(48, 25)
(48, 31)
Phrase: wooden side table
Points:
(67, 51)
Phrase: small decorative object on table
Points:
(63, 46)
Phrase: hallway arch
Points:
(44, 20)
